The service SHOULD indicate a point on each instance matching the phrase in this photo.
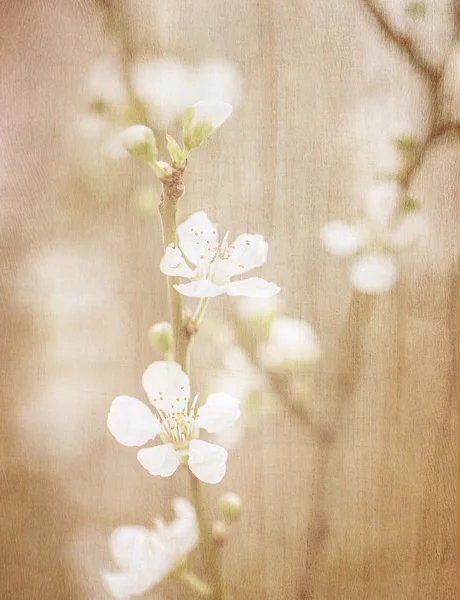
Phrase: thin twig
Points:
(405, 44)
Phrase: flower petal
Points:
(341, 239)
(166, 385)
(409, 230)
(253, 287)
(160, 460)
(131, 422)
(173, 263)
(220, 411)
(247, 252)
(124, 584)
(291, 343)
(183, 531)
(198, 238)
(374, 273)
(133, 547)
(380, 203)
(207, 461)
(214, 111)
(203, 288)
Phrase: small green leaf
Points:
(174, 150)
(187, 117)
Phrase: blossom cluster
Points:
(204, 265)
(383, 230)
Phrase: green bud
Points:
(174, 150)
(160, 336)
(230, 507)
(196, 135)
(219, 532)
(416, 9)
(140, 142)
(187, 117)
(409, 204)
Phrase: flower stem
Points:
(196, 583)
(200, 311)
(211, 552)
(173, 189)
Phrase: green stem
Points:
(168, 212)
(196, 583)
(200, 311)
(211, 552)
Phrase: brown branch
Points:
(405, 44)
(436, 134)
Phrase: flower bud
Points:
(160, 336)
(174, 150)
(201, 120)
(219, 532)
(140, 142)
(230, 506)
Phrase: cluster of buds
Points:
(198, 123)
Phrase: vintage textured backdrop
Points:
(372, 513)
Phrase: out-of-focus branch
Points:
(405, 44)
(117, 27)
(435, 135)
(279, 383)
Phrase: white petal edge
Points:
(173, 263)
(131, 422)
(202, 288)
(253, 287)
(132, 548)
(164, 383)
(159, 460)
(249, 251)
(374, 273)
(207, 461)
(214, 111)
(341, 239)
(220, 411)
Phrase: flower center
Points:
(178, 425)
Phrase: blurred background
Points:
(348, 469)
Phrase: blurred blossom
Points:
(168, 86)
(102, 136)
(292, 343)
(371, 131)
(258, 309)
(105, 82)
(380, 232)
(145, 557)
(176, 422)
(214, 263)
(241, 379)
(67, 289)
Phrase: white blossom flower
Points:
(214, 263)
(105, 82)
(375, 239)
(168, 86)
(145, 557)
(291, 343)
(176, 421)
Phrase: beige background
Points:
(373, 513)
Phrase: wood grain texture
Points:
(373, 512)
